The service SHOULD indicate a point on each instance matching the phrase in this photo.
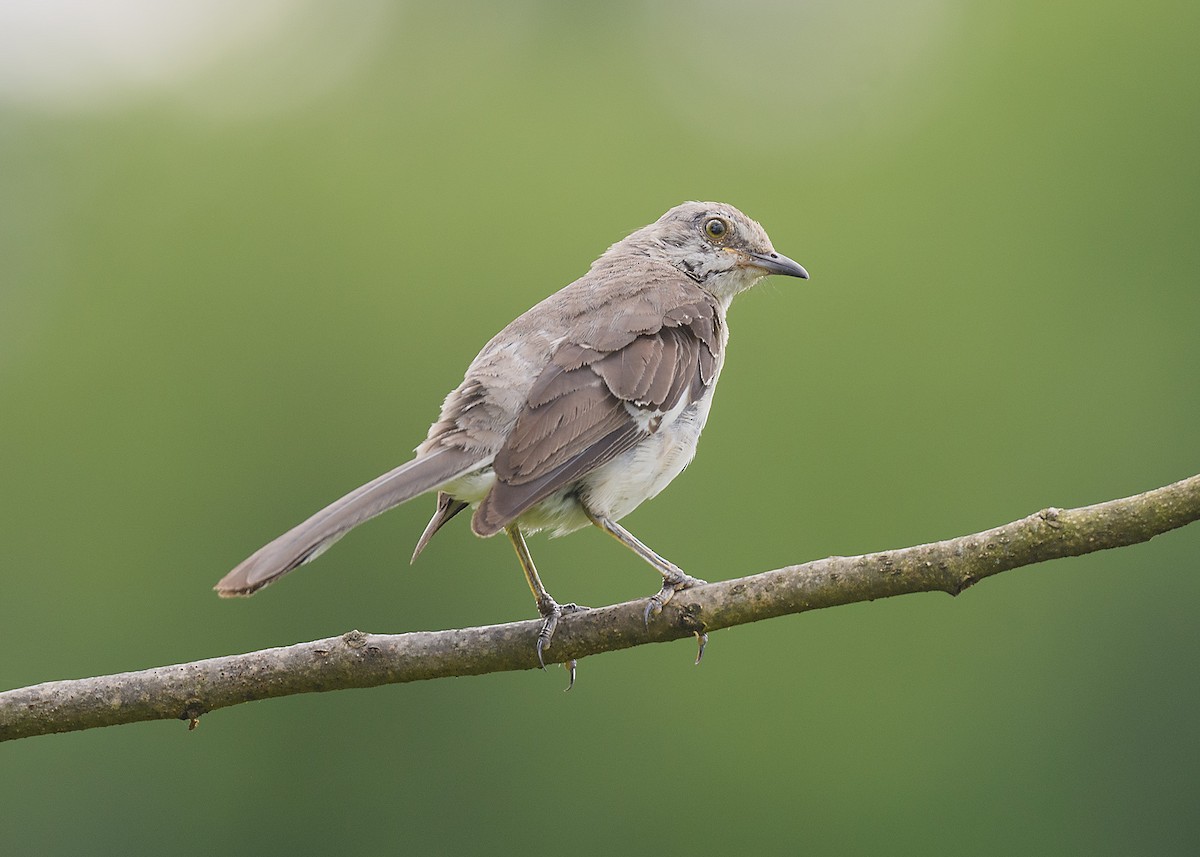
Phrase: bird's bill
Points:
(775, 263)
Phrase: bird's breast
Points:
(616, 488)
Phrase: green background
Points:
(231, 295)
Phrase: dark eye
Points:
(716, 229)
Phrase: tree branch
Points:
(186, 691)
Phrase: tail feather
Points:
(447, 508)
(307, 541)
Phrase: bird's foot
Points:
(551, 612)
(674, 580)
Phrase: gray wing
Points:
(593, 402)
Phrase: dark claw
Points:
(654, 606)
(551, 613)
(702, 640)
(547, 632)
(675, 583)
(570, 665)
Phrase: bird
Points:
(578, 411)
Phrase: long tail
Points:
(307, 541)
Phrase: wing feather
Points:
(593, 402)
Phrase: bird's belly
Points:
(612, 490)
(615, 489)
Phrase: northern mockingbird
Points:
(582, 408)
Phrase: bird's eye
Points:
(716, 229)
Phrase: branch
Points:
(186, 691)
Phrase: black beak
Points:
(777, 263)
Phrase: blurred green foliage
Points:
(228, 300)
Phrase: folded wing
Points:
(593, 402)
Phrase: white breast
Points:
(617, 488)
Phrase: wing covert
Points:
(591, 404)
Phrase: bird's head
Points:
(713, 243)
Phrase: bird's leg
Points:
(550, 609)
(674, 578)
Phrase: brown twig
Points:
(187, 691)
